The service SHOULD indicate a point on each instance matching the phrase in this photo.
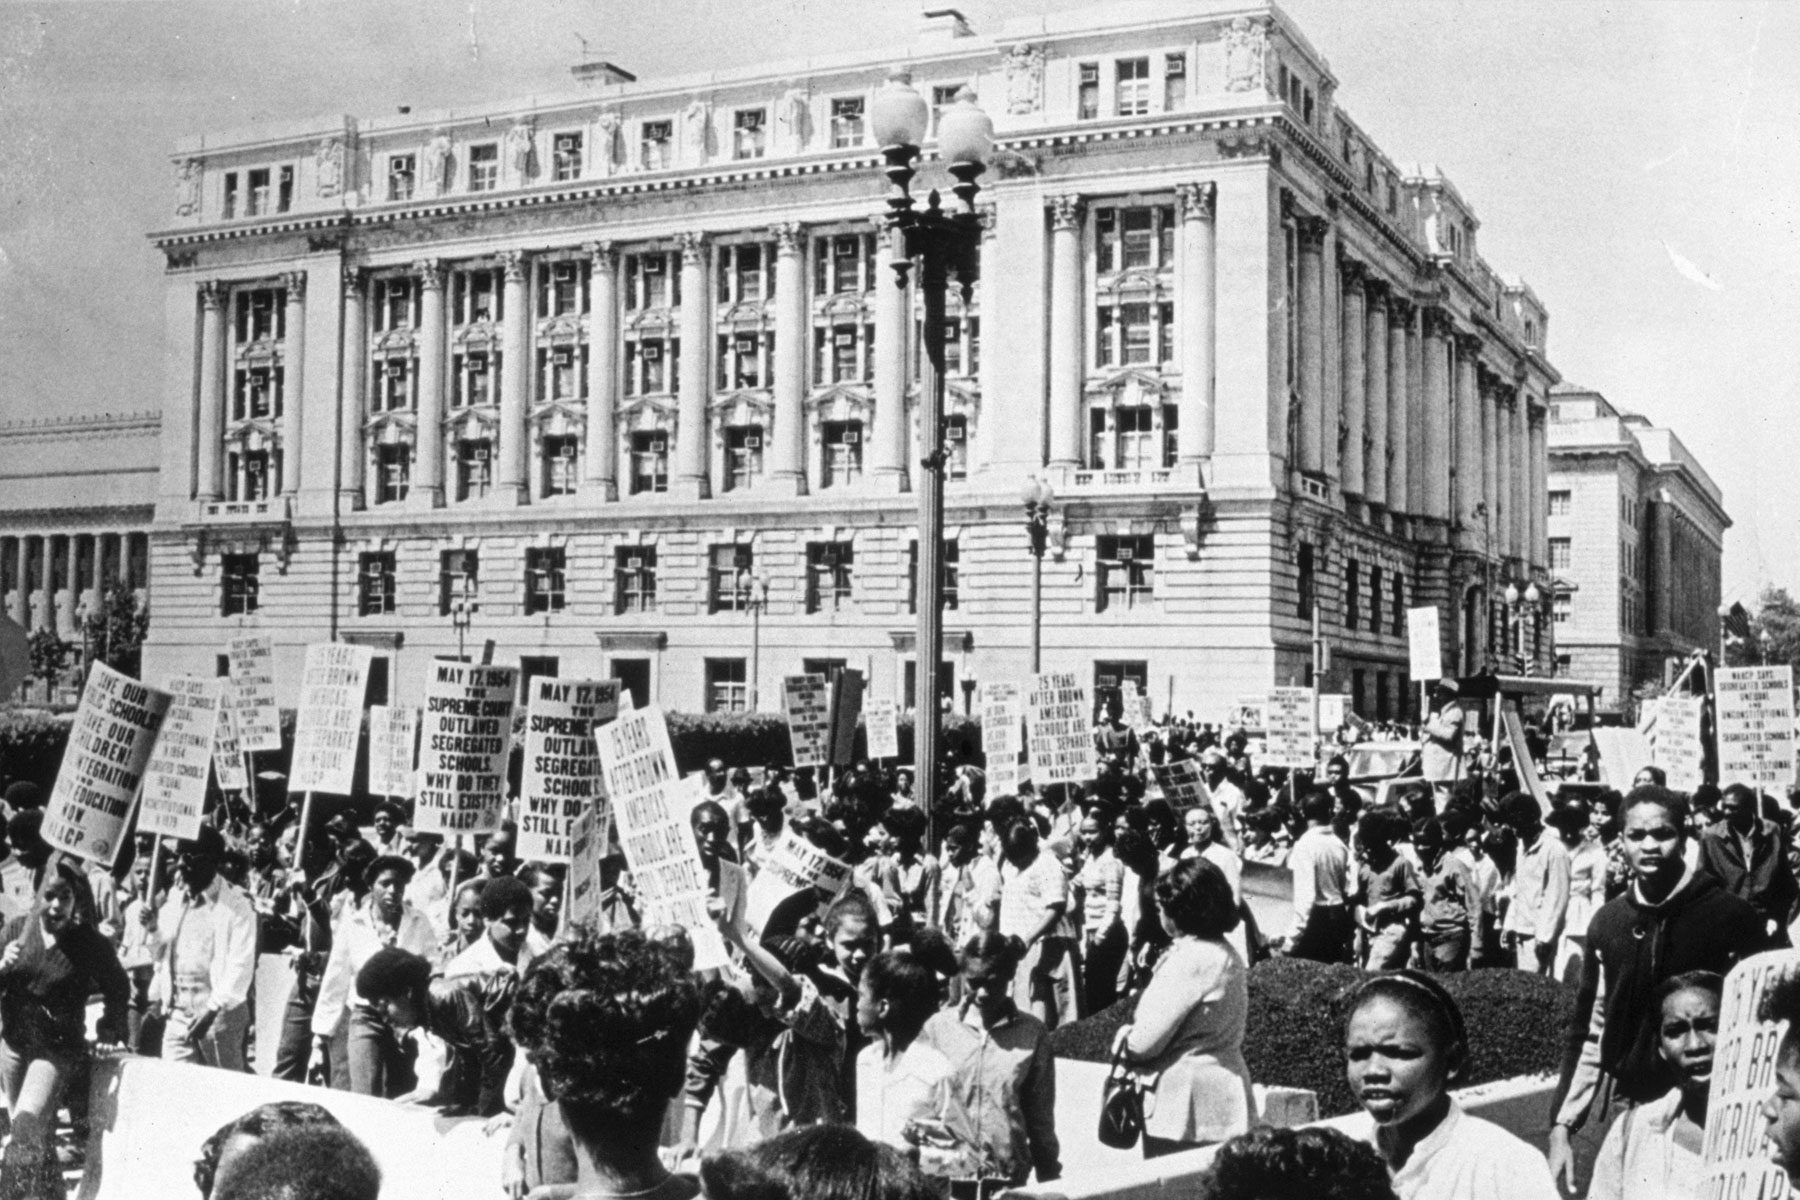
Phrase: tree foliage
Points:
(116, 629)
(1774, 633)
(49, 655)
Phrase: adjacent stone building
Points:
(1637, 534)
(619, 380)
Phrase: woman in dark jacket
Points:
(52, 960)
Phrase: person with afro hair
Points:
(1312, 1163)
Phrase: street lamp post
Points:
(758, 589)
(462, 612)
(1516, 603)
(945, 245)
(1037, 495)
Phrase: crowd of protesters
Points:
(894, 1036)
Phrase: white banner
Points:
(227, 750)
(1333, 707)
(393, 743)
(587, 846)
(652, 820)
(1002, 721)
(881, 723)
(1675, 741)
(561, 778)
(103, 764)
(807, 702)
(252, 663)
(466, 732)
(330, 718)
(1425, 649)
(1756, 726)
(1288, 726)
(1058, 729)
(795, 866)
(1735, 1154)
(174, 798)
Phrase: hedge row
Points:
(1293, 1035)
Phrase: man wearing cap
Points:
(204, 944)
(1228, 799)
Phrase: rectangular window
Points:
(258, 198)
(727, 689)
(239, 587)
(1564, 609)
(634, 579)
(943, 95)
(650, 366)
(1399, 606)
(402, 170)
(1135, 239)
(459, 582)
(475, 297)
(560, 371)
(1135, 448)
(562, 288)
(536, 666)
(393, 304)
(654, 144)
(956, 446)
(229, 208)
(844, 263)
(1374, 599)
(474, 468)
(749, 132)
(846, 122)
(1174, 81)
(284, 189)
(375, 583)
(843, 453)
(744, 359)
(730, 585)
(565, 156)
(649, 463)
(845, 353)
(1559, 503)
(652, 280)
(951, 575)
(1352, 594)
(1126, 571)
(1559, 554)
(393, 473)
(1132, 93)
(484, 167)
(828, 576)
(544, 578)
(471, 383)
(562, 464)
(741, 274)
(1303, 582)
(1087, 92)
(743, 456)
(393, 385)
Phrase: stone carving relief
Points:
(1246, 52)
(694, 121)
(328, 167)
(187, 187)
(794, 113)
(1024, 79)
(435, 170)
(606, 142)
(519, 149)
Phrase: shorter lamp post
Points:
(1037, 494)
(757, 589)
(462, 613)
(1517, 602)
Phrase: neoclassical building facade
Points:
(620, 380)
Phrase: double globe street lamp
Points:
(944, 245)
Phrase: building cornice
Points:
(97, 425)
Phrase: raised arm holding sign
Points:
(109, 745)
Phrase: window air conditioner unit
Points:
(843, 339)
(652, 353)
(1124, 554)
(956, 433)
(660, 446)
(634, 563)
(653, 265)
(394, 370)
(753, 442)
(564, 272)
(562, 358)
(746, 345)
(479, 454)
(852, 436)
(478, 364)
(566, 451)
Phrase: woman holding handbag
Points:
(1186, 1039)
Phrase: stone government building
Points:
(618, 379)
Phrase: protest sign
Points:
(1424, 646)
(1250, 714)
(587, 845)
(103, 764)
(1002, 715)
(1181, 784)
(1524, 766)
(1334, 710)
(561, 778)
(174, 797)
(793, 867)
(393, 740)
(846, 706)
(1675, 741)
(1134, 705)
(251, 657)
(1756, 726)
(643, 786)
(1735, 1155)
(881, 722)
(1288, 722)
(1059, 738)
(227, 750)
(330, 718)
(465, 733)
(807, 703)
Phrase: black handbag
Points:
(1121, 1104)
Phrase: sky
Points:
(1637, 162)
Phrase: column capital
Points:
(1065, 212)
(1312, 231)
(693, 247)
(512, 262)
(431, 274)
(1376, 292)
(603, 256)
(790, 237)
(1197, 200)
(988, 213)
(212, 295)
(1467, 343)
(295, 283)
(1353, 271)
(1438, 323)
(353, 283)
(1401, 309)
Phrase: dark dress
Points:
(44, 994)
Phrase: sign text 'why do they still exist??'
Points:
(465, 735)
(561, 777)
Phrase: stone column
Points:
(1522, 479)
(1311, 372)
(893, 318)
(42, 616)
(351, 452)
(211, 435)
(294, 376)
(1353, 323)
(1399, 411)
(427, 486)
(1434, 463)
(1375, 455)
(510, 475)
(1540, 490)
(987, 420)
(96, 581)
(1197, 320)
(691, 481)
(1471, 484)
(1066, 344)
(602, 465)
(1493, 461)
(70, 592)
(787, 441)
(19, 607)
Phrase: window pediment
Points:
(1129, 388)
(742, 408)
(480, 336)
(644, 413)
(1134, 285)
(258, 434)
(392, 429)
(746, 316)
(651, 322)
(560, 331)
(842, 403)
(394, 340)
(560, 418)
(843, 308)
(473, 423)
